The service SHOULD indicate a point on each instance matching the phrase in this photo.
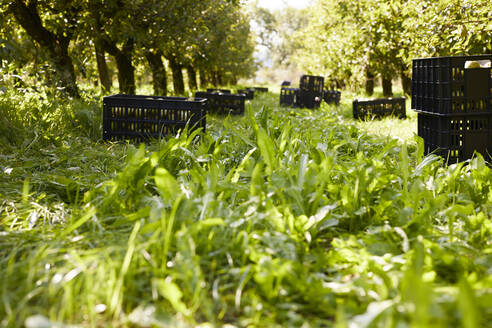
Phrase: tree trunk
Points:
(339, 84)
(406, 84)
(203, 79)
(126, 74)
(178, 82)
(215, 78)
(387, 86)
(123, 57)
(369, 82)
(126, 71)
(66, 72)
(159, 75)
(191, 78)
(56, 46)
(220, 79)
(102, 68)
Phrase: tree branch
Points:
(28, 17)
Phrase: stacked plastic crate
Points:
(311, 91)
(452, 96)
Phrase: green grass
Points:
(279, 218)
(404, 130)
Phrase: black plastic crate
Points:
(312, 83)
(222, 103)
(332, 96)
(378, 108)
(219, 91)
(310, 99)
(455, 138)
(289, 97)
(260, 89)
(311, 93)
(443, 85)
(140, 118)
(249, 93)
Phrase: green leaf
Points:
(86, 217)
(470, 313)
(267, 149)
(166, 184)
(171, 292)
(374, 310)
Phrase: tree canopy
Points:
(77, 39)
(353, 42)
(66, 44)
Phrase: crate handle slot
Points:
(477, 64)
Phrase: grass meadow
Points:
(280, 218)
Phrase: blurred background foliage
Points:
(179, 46)
(360, 44)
